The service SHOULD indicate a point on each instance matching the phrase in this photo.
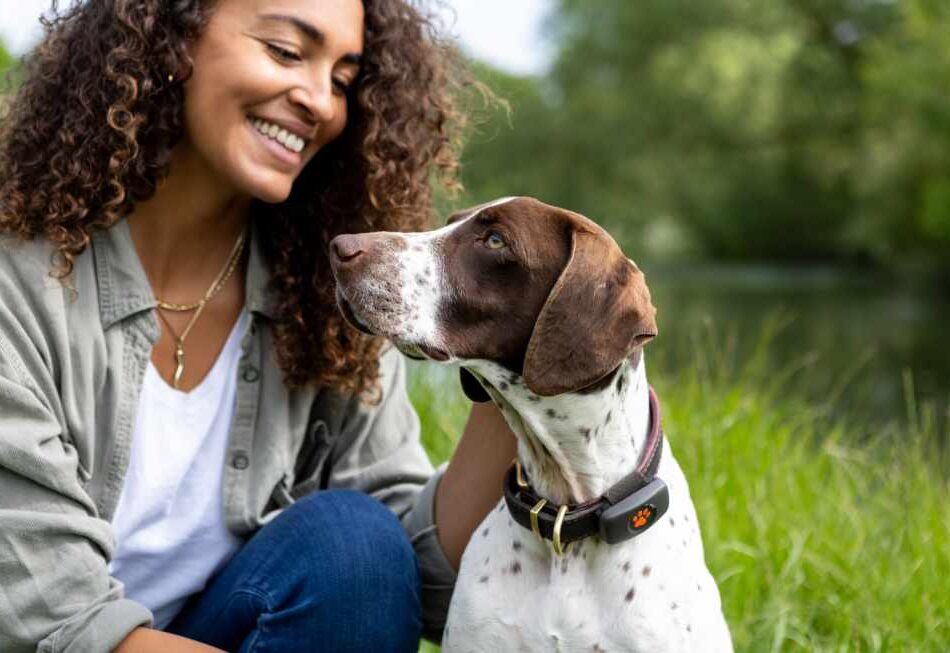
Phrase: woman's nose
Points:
(316, 98)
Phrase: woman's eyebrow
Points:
(309, 31)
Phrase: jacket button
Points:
(250, 374)
(240, 460)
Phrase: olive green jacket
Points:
(71, 367)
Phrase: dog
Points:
(596, 544)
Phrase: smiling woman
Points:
(278, 79)
(191, 436)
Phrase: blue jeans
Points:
(333, 572)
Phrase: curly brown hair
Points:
(64, 171)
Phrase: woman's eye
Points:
(342, 86)
(494, 241)
(283, 53)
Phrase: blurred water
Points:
(877, 346)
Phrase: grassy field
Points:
(822, 536)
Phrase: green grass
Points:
(823, 536)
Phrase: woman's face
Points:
(269, 88)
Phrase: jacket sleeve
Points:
(55, 590)
(379, 452)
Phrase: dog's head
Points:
(541, 291)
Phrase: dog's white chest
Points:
(652, 594)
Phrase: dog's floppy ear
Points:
(472, 388)
(597, 313)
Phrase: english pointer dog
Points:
(595, 546)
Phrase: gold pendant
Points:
(180, 359)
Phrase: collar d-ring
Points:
(558, 522)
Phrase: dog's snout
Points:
(346, 248)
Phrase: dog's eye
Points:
(494, 241)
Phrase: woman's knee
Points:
(336, 567)
(352, 552)
(353, 528)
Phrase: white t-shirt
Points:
(169, 524)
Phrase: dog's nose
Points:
(345, 249)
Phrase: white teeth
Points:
(292, 142)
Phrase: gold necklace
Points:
(213, 290)
(181, 308)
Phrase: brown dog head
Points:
(543, 292)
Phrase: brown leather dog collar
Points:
(625, 510)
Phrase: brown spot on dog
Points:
(626, 566)
(516, 545)
(673, 605)
(629, 596)
(646, 570)
(483, 579)
(515, 567)
(485, 532)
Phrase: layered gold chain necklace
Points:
(198, 306)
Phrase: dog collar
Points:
(625, 510)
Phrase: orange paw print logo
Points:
(642, 518)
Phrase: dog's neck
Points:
(574, 446)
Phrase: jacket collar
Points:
(124, 289)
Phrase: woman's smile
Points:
(284, 135)
(284, 146)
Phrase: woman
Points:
(176, 384)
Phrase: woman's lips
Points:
(291, 160)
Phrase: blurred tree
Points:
(7, 72)
(6, 61)
(906, 175)
(792, 129)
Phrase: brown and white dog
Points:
(546, 315)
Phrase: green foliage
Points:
(821, 536)
(5, 59)
(794, 129)
(7, 67)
